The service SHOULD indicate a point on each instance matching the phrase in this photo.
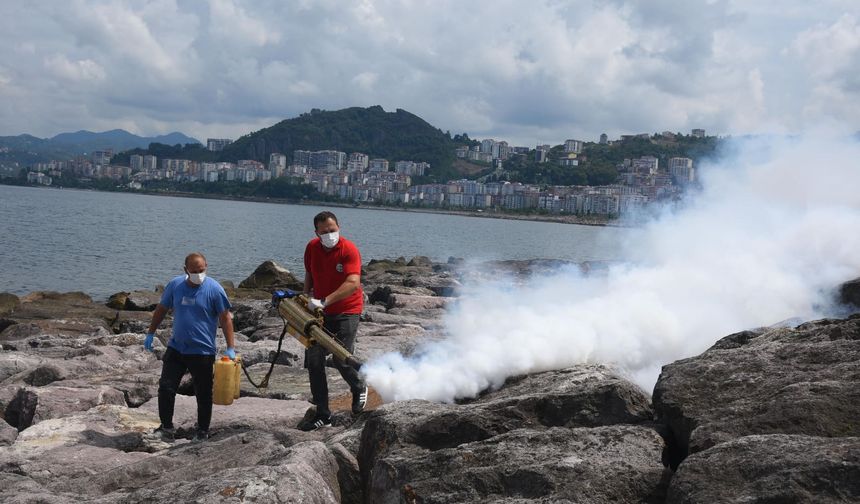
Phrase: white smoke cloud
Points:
(775, 229)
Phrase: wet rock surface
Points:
(579, 434)
(766, 415)
(803, 380)
(270, 275)
(771, 468)
(849, 293)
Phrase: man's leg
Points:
(201, 367)
(172, 369)
(315, 362)
(345, 327)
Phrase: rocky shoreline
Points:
(764, 415)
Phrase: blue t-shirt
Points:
(195, 314)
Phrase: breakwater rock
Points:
(765, 415)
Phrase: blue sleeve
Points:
(167, 296)
(220, 302)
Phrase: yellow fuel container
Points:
(238, 383)
(224, 386)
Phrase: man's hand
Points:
(316, 304)
(147, 343)
(230, 352)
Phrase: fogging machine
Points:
(306, 325)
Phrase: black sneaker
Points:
(359, 401)
(201, 435)
(165, 433)
(318, 423)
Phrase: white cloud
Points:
(543, 70)
(231, 21)
(830, 55)
(365, 80)
(81, 70)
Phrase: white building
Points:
(302, 158)
(411, 168)
(501, 150)
(136, 162)
(681, 170)
(102, 157)
(646, 165)
(358, 162)
(217, 144)
(250, 164)
(573, 146)
(150, 163)
(328, 160)
(487, 145)
(38, 178)
(277, 164)
(378, 165)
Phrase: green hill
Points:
(394, 136)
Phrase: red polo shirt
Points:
(328, 270)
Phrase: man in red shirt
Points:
(333, 283)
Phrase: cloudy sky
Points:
(524, 71)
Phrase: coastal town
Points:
(357, 177)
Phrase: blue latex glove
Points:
(147, 343)
(230, 352)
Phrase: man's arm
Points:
(350, 285)
(157, 317)
(226, 321)
(309, 283)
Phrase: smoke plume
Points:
(775, 228)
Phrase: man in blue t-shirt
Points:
(199, 304)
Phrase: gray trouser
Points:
(344, 328)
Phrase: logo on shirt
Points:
(188, 301)
(339, 268)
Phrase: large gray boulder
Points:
(8, 434)
(578, 434)
(248, 313)
(106, 455)
(442, 284)
(35, 404)
(771, 468)
(52, 332)
(375, 339)
(237, 470)
(8, 303)
(43, 305)
(423, 320)
(849, 293)
(585, 465)
(142, 300)
(415, 302)
(803, 380)
(13, 363)
(383, 294)
(271, 275)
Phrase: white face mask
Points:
(329, 240)
(197, 278)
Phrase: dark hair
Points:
(324, 216)
(195, 255)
